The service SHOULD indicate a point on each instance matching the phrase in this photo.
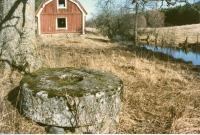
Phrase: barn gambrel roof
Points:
(43, 4)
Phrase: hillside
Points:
(178, 33)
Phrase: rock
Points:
(107, 127)
(56, 130)
(69, 97)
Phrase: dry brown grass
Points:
(11, 122)
(159, 97)
(181, 32)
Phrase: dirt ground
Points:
(161, 94)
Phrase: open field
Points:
(176, 34)
(161, 94)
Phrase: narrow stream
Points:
(177, 53)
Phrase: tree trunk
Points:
(136, 21)
(17, 35)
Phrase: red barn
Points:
(61, 16)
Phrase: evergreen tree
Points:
(37, 4)
(182, 15)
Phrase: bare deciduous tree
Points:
(90, 23)
(111, 20)
(135, 7)
(142, 22)
(155, 18)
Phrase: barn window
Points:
(61, 23)
(61, 3)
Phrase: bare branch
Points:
(193, 7)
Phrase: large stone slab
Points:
(69, 97)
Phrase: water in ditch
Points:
(177, 53)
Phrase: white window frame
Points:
(62, 7)
(57, 23)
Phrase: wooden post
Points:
(163, 40)
(148, 36)
(156, 37)
(186, 43)
(174, 38)
(197, 43)
(184, 35)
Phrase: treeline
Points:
(154, 18)
(182, 15)
(37, 4)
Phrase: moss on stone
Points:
(64, 88)
(34, 81)
(25, 79)
(51, 69)
(102, 80)
(67, 69)
(36, 73)
(51, 92)
(31, 81)
(94, 92)
(99, 76)
(65, 83)
(53, 78)
(61, 69)
(75, 93)
(55, 93)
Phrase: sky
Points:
(89, 6)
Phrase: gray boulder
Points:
(68, 97)
(56, 130)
